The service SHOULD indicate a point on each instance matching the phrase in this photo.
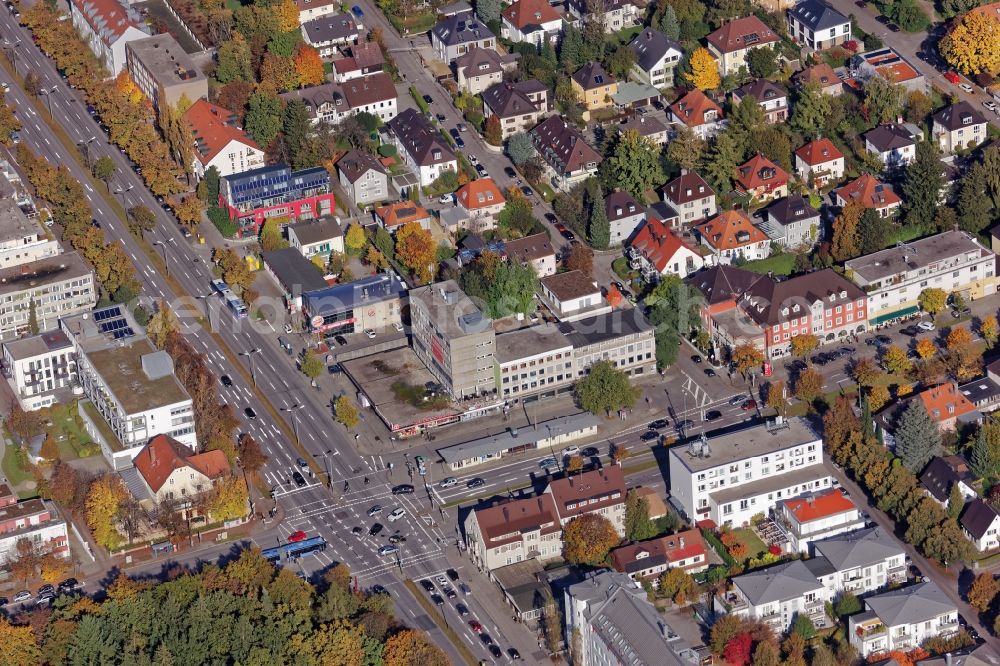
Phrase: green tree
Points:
(512, 290)
(917, 437)
(922, 186)
(766, 652)
(33, 327)
(668, 23)
(235, 61)
(811, 110)
(605, 388)
(956, 502)
(264, 119)
(103, 168)
(588, 539)
(346, 412)
(874, 231)
(725, 155)
(932, 300)
(271, 237)
(762, 62)
(985, 458)
(140, 220)
(312, 365)
(638, 526)
(620, 62)
(296, 128)
(991, 171)
(488, 10)
(686, 149)
(975, 211)
(633, 165)
(847, 604)
(598, 226)
(674, 311)
(883, 100)
(520, 148)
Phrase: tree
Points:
(932, 300)
(956, 502)
(804, 344)
(308, 66)
(762, 62)
(808, 385)
(704, 70)
(252, 456)
(588, 539)
(811, 110)
(493, 132)
(235, 271)
(271, 237)
(983, 591)
(668, 23)
(620, 61)
(766, 653)
(917, 437)
(776, 398)
(263, 120)
(574, 464)
(355, 239)
(103, 168)
(989, 329)
(346, 412)
(845, 232)
(686, 149)
(803, 626)
(229, 499)
(883, 100)
(580, 258)
(416, 249)
(925, 348)
(296, 129)
(638, 526)
(140, 220)
(877, 398)
(488, 10)
(847, 604)
(895, 360)
(605, 389)
(971, 44)
(738, 650)
(874, 231)
(633, 165)
(520, 148)
(409, 647)
(312, 365)
(677, 584)
(598, 226)
(187, 210)
(104, 498)
(746, 358)
(618, 453)
(33, 327)
(726, 154)
(235, 63)
(974, 209)
(19, 644)
(922, 185)
(162, 325)
(985, 456)
(991, 170)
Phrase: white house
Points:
(733, 476)
(818, 25)
(776, 595)
(817, 516)
(106, 27)
(958, 126)
(656, 250)
(942, 473)
(599, 491)
(691, 197)
(656, 57)
(33, 519)
(699, 114)
(894, 144)
(819, 162)
(981, 525)
(219, 142)
(39, 367)
(458, 33)
(531, 21)
(313, 9)
(363, 177)
(572, 295)
(316, 237)
(535, 250)
(327, 33)
(858, 562)
(792, 221)
(902, 619)
(515, 531)
(731, 43)
(730, 235)
(171, 471)
(624, 214)
(421, 147)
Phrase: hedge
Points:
(723, 552)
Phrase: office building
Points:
(374, 302)
(164, 72)
(275, 191)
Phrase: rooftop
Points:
(870, 192)
(862, 548)
(740, 34)
(517, 437)
(916, 254)
(50, 341)
(530, 248)
(688, 186)
(316, 231)
(44, 272)
(451, 309)
(479, 193)
(729, 230)
(798, 476)
(295, 273)
(817, 15)
(722, 283)
(660, 551)
(125, 371)
(563, 146)
(603, 327)
(419, 139)
(650, 46)
(332, 28)
(529, 341)
(890, 64)
(399, 213)
(819, 151)
(780, 582)
(592, 76)
(357, 163)
(820, 505)
(163, 455)
(356, 294)
(164, 58)
(696, 109)
(505, 522)
(590, 491)
(525, 14)
(461, 28)
(943, 472)
(910, 605)
(753, 441)
(978, 517)
(570, 285)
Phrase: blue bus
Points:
(295, 550)
(235, 304)
(220, 286)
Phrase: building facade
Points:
(808, 519)
(363, 177)
(107, 27)
(253, 196)
(731, 43)
(39, 367)
(373, 302)
(36, 520)
(902, 619)
(513, 531)
(164, 71)
(422, 148)
(219, 142)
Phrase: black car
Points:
(496, 652)
(450, 593)
(375, 529)
(475, 483)
(334, 369)
(428, 99)
(438, 601)
(486, 638)
(402, 489)
(378, 589)
(911, 331)
(481, 170)
(452, 574)
(68, 585)
(397, 538)
(46, 590)
(710, 373)
(590, 452)
(509, 172)
(340, 340)
(685, 424)
(461, 609)
(883, 19)
(459, 142)
(91, 110)
(250, 413)
(298, 478)
(658, 424)
(649, 436)
(427, 585)
(226, 381)
(820, 359)
(712, 415)
(527, 191)
(883, 340)
(797, 364)
(696, 358)
(513, 653)
(551, 218)
(453, 132)
(893, 27)
(848, 350)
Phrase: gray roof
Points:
(35, 345)
(888, 137)
(529, 341)
(357, 163)
(817, 15)
(316, 231)
(477, 56)
(799, 476)
(357, 294)
(164, 58)
(820, 566)
(943, 472)
(793, 208)
(977, 517)
(337, 27)
(781, 582)
(419, 139)
(755, 440)
(643, 125)
(721, 283)
(858, 549)
(510, 100)
(630, 92)
(604, 327)
(592, 75)
(295, 273)
(37, 275)
(453, 312)
(461, 28)
(910, 605)
(981, 391)
(959, 115)
(649, 47)
(523, 436)
(913, 255)
(762, 90)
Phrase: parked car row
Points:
(46, 593)
(445, 588)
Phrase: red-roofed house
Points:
(395, 215)
(600, 491)
(656, 250)
(946, 404)
(106, 26)
(360, 60)
(220, 142)
(648, 559)
(819, 516)
(730, 44)
(698, 113)
(821, 161)
(731, 234)
(762, 179)
(531, 21)
(172, 472)
(481, 201)
(514, 531)
(871, 193)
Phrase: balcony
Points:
(867, 633)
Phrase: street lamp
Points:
(48, 97)
(86, 147)
(249, 354)
(208, 310)
(165, 262)
(11, 53)
(294, 408)
(122, 192)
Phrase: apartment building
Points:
(817, 516)
(646, 560)
(858, 562)
(328, 33)
(731, 43)
(731, 235)
(616, 624)
(164, 71)
(776, 596)
(518, 106)
(893, 278)
(36, 520)
(902, 619)
(39, 368)
(334, 102)
(733, 476)
(107, 26)
(253, 196)
(598, 491)
(691, 197)
(453, 338)
(130, 383)
(363, 177)
(219, 141)
(513, 531)
(566, 155)
(55, 287)
(656, 250)
(422, 148)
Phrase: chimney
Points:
(649, 35)
(681, 542)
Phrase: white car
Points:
(370, 333)
(925, 326)
(570, 451)
(966, 87)
(473, 159)
(445, 199)
(448, 483)
(396, 514)
(288, 328)
(388, 550)
(991, 105)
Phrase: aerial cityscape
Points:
(398, 333)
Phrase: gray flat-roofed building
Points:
(551, 434)
(294, 274)
(534, 360)
(163, 70)
(372, 302)
(622, 337)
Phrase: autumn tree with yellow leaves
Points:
(104, 498)
(704, 70)
(972, 46)
(229, 499)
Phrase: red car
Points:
(297, 536)
(476, 627)
(749, 404)
(952, 77)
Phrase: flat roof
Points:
(747, 442)
(530, 341)
(603, 327)
(914, 254)
(38, 344)
(451, 309)
(373, 289)
(166, 60)
(295, 273)
(121, 368)
(44, 272)
(774, 482)
(518, 437)
(14, 224)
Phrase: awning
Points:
(905, 312)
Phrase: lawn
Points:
(546, 192)
(755, 547)
(779, 264)
(12, 467)
(71, 436)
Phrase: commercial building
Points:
(646, 560)
(130, 383)
(513, 531)
(316, 238)
(656, 57)
(731, 43)
(535, 360)
(294, 274)
(275, 191)
(107, 26)
(616, 624)
(817, 516)
(622, 337)
(953, 261)
(902, 619)
(373, 302)
(58, 286)
(459, 33)
(817, 25)
(39, 368)
(731, 477)
(454, 339)
(219, 141)
(164, 71)
(36, 520)
(421, 146)
(566, 155)
(776, 595)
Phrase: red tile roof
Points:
(691, 109)
(163, 454)
(759, 171)
(823, 505)
(108, 18)
(505, 523)
(821, 74)
(213, 128)
(819, 151)
(572, 494)
(730, 230)
(525, 13)
(658, 243)
(740, 34)
(869, 191)
(945, 402)
(667, 550)
(401, 212)
(480, 193)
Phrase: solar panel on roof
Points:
(108, 313)
(751, 38)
